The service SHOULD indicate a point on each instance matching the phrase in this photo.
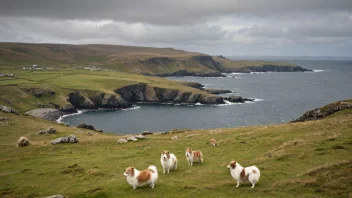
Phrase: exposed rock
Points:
(23, 141)
(267, 68)
(98, 130)
(121, 141)
(104, 100)
(174, 137)
(86, 126)
(94, 100)
(7, 109)
(39, 92)
(56, 196)
(68, 109)
(79, 100)
(88, 133)
(132, 138)
(54, 115)
(147, 133)
(193, 85)
(190, 135)
(145, 93)
(324, 111)
(140, 137)
(217, 91)
(50, 130)
(68, 139)
(238, 99)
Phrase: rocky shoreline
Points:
(128, 96)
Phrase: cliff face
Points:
(267, 68)
(93, 100)
(322, 112)
(145, 93)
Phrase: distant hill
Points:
(142, 60)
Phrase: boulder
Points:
(120, 141)
(132, 138)
(50, 130)
(88, 133)
(86, 126)
(23, 141)
(147, 133)
(68, 139)
(140, 137)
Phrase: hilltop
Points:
(131, 59)
(305, 159)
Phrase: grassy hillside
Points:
(142, 60)
(16, 91)
(119, 58)
(309, 159)
(227, 65)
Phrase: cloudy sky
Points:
(228, 27)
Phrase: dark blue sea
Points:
(280, 97)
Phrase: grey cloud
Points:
(165, 11)
(230, 27)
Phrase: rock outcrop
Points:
(50, 130)
(7, 109)
(145, 93)
(86, 126)
(322, 112)
(266, 68)
(93, 100)
(39, 92)
(217, 91)
(238, 99)
(68, 139)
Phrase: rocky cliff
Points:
(94, 99)
(145, 93)
(266, 68)
(322, 112)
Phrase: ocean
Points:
(279, 98)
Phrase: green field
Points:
(141, 60)
(309, 159)
(15, 90)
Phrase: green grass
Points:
(235, 64)
(309, 159)
(15, 94)
(130, 59)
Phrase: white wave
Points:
(318, 70)
(227, 103)
(199, 104)
(258, 100)
(258, 72)
(132, 108)
(234, 73)
(68, 115)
